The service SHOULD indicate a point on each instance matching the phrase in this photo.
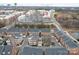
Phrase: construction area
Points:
(35, 31)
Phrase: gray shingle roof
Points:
(66, 39)
(6, 50)
(56, 51)
(31, 51)
(0, 49)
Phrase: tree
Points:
(8, 4)
(15, 4)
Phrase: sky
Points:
(41, 2)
